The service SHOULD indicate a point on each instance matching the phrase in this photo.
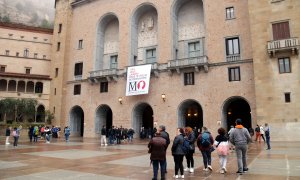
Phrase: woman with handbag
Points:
(222, 146)
(190, 136)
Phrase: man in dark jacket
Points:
(165, 135)
(240, 137)
(157, 147)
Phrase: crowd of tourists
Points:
(186, 141)
(116, 135)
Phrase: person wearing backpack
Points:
(205, 143)
(178, 153)
(222, 145)
(257, 133)
(190, 137)
(240, 137)
(16, 134)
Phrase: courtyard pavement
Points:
(86, 159)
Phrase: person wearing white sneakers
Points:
(205, 143)
(7, 134)
(190, 135)
(178, 153)
(222, 145)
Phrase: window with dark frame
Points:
(7, 52)
(44, 56)
(114, 62)
(2, 68)
(80, 43)
(103, 87)
(17, 54)
(54, 91)
(78, 69)
(58, 46)
(27, 70)
(59, 28)
(234, 74)
(77, 89)
(189, 78)
(26, 52)
(35, 55)
(232, 46)
(151, 55)
(284, 65)
(230, 13)
(281, 30)
(287, 97)
(54, 109)
(56, 72)
(194, 49)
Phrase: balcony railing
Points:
(103, 73)
(234, 57)
(291, 44)
(195, 62)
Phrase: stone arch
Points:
(40, 113)
(103, 117)
(236, 107)
(144, 34)
(39, 87)
(12, 85)
(3, 85)
(30, 87)
(190, 113)
(76, 121)
(107, 43)
(142, 116)
(21, 86)
(187, 27)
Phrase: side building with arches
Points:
(199, 51)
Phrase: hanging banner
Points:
(138, 79)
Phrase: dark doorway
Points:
(77, 121)
(40, 114)
(190, 114)
(104, 117)
(142, 117)
(238, 108)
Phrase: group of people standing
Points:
(186, 138)
(262, 132)
(115, 135)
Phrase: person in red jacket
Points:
(157, 147)
(205, 143)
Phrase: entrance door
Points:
(77, 121)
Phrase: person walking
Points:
(262, 133)
(267, 133)
(190, 136)
(35, 133)
(205, 143)
(157, 148)
(178, 153)
(103, 136)
(257, 133)
(165, 135)
(7, 134)
(240, 137)
(16, 135)
(222, 145)
(67, 131)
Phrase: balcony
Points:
(285, 45)
(193, 62)
(234, 57)
(108, 74)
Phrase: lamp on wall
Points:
(120, 100)
(163, 97)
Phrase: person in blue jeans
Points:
(157, 148)
(267, 134)
(205, 143)
(67, 133)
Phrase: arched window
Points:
(21, 86)
(39, 87)
(40, 114)
(30, 87)
(12, 85)
(3, 85)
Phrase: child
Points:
(221, 143)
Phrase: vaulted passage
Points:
(190, 114)
(77, 121)
(142, 117)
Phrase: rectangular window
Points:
(189, 78)
(17, 54)
(194, 49)
(103, 87)
(234, 74)
(44, 56)
(27, 70)
(59, 28)
(26, 52)
(281, 30)
(54, 91)
(56, 72)
(287, 97)
(230, 13)
(54, 109)
(7, 52)
(135, 60)
(114, 62)
(80, 44)
(232, 49)
(2, 68)
(151, 55)
(284, 65)
(35, 55)
(78, 69)
(58, 46)
(77, 89)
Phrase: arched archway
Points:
(234, 108)
(190, 114)
(40, 114)
(3, 85)
(21, 86)
(107, 44)
(103, 117)
(30, 87)
(76, 121)
(12, 85)
(142, 117)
